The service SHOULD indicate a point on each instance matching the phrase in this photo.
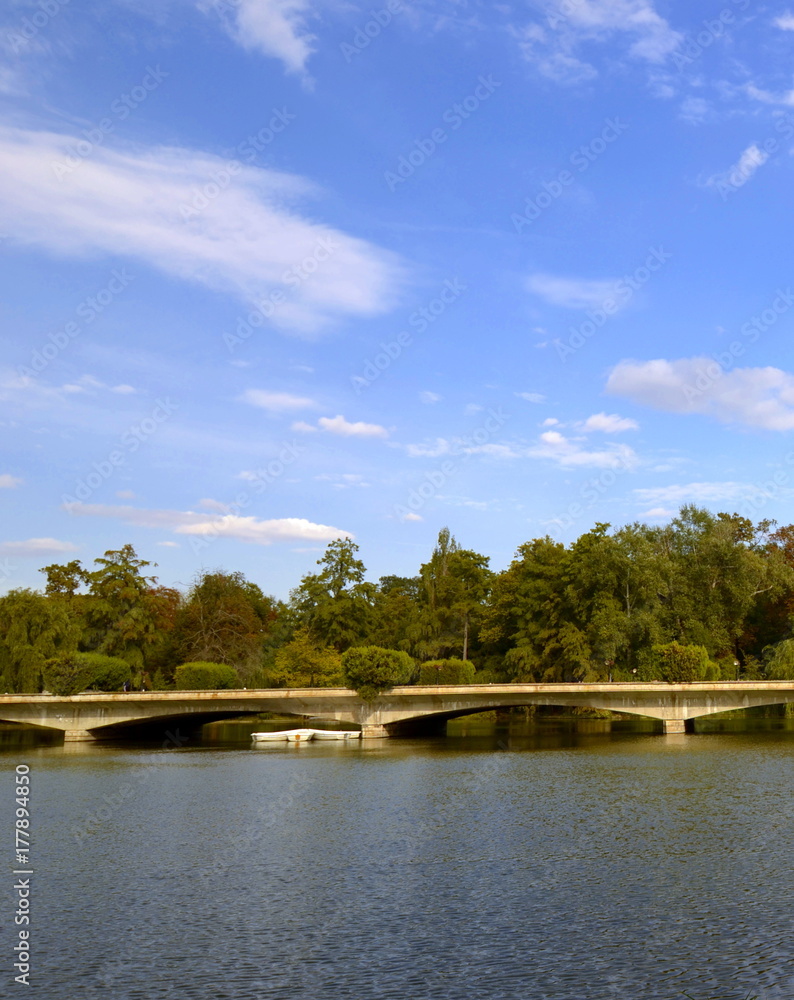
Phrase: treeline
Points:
(703, 597)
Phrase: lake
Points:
(559, 859)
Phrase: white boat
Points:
(337, 734)
(288, 735)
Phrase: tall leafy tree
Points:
(336, 604)
(33, 629)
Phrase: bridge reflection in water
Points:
(99, 715)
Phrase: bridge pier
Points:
(78, 736)
(375, 732)
(678, 725)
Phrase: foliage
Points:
(225, 619)
(107, 673)
(67, 674)
(33, 629)
(205, 676)
(336, 604)
(680, 664)
(446, 672)
(780, 661)
(371, 670)
(303, 662)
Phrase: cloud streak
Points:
(246, 238)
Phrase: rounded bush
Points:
(449, 671)
(370, 670)
(108, 673)
(205, 676)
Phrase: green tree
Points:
(303, 662)
(203, 676)
(455, 584)
(225, 619)
(33, 629)
(336, 604)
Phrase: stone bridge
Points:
(97, 715)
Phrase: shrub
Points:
(66, 675)
(450, 671)
(108, 673)
(204, 676)
(679, 664)
(369, 670)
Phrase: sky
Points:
(276, 272)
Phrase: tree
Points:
(336, 604)
(455, 584)
(225, 619)
(33, 629)
(304, 662)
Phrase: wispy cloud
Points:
(785, 21)
(36, 547)
(755, 397)
(751, 159)
(248, 240)
(339, 425)
(531, 397)
(567, 452)
(276, 28)
(554, 45)
(673, 496)
(571, 293)
(244, 529)
(769, 97)
(9, 482)
(609, 423)
(275, 402)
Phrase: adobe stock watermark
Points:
(29, 27)
(292, 278)
(420, 320)
(621, 293)
(367, 32)
(437, 478)
(219, 180)
(722, 361)
(86, 311)
(581, 159)
(591, 491)
(454, 117)
(120, 109)
(129, 443)
(260, 479)
(714, 28)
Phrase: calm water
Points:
(552, 862)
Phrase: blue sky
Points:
(280, 271)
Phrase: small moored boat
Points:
(337, 734)
(290, 735)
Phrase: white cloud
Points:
(430, 397)
(572, 293)
(441, 446)
(338, 425)
(568, 453)
(168, 545)
(410, 516)
(531, 397)
(249, 240)
(9, 482)
(124, 389)
(243, 529)
(553, 48)
(609, 423)
(785, 21)
(36, 547)
(751, 159)
(755, 397)
(303, 428)
(275, 402)
(694, 110)
(276, 28)
(767, 97)
(550, 422)
(672, 497)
